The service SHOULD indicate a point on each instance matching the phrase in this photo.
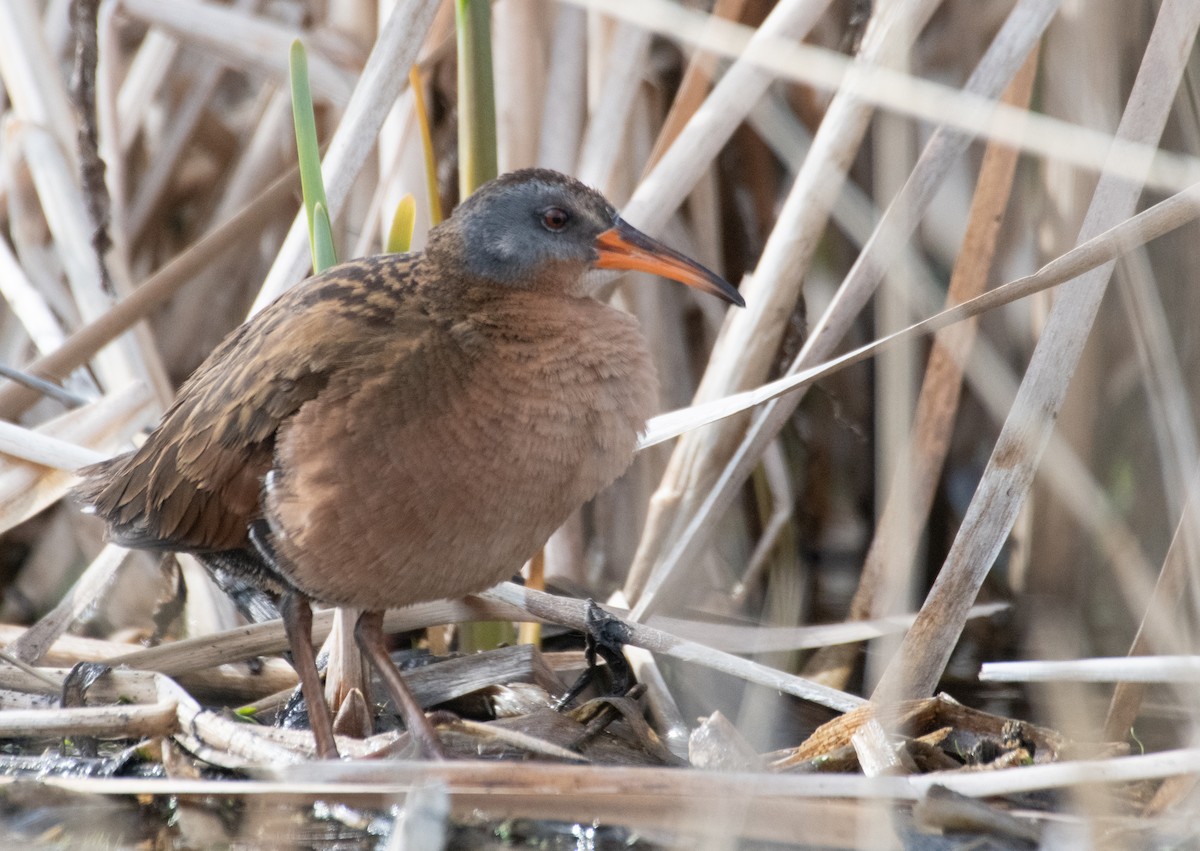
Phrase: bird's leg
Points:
(369, 634)
(296, 612)
(297, 623)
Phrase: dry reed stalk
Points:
(113, 687)
(662, 190)
(30, 446)
(224, 679)
(182, 657)
(1171, 418)
(116, 722)
(88, 588)
(907, 506)
(564, 105)
(244, 642)
(1156, 632)
(31, 78)
(223, 741)
(692, 784)
(1175, 212)
(608, 118)
(147, 198)
(81, 345)
(1010, 471)
(147, 71)
(260, 159)
(751, 337)
(699, 807)
(77, 437)
(917, 98)
(261, 45)
(63, 205)
(28, 303)
(573, 613)
(1068, 478)
(519, 43)
(693, 88)
(783, 506)
(1128, 669)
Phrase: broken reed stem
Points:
(108, 722)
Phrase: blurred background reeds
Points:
(854, 167)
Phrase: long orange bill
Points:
(625, 247)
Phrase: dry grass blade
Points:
(919, 663)
(732, 638)
(517, 739)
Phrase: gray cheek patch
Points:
(508, 249)
(498, 253)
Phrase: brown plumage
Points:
(406, 427)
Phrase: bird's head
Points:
(537, 228)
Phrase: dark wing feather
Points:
(195, 484)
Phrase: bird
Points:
(406, 427)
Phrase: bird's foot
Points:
(605, 636)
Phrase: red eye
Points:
(555, 218)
